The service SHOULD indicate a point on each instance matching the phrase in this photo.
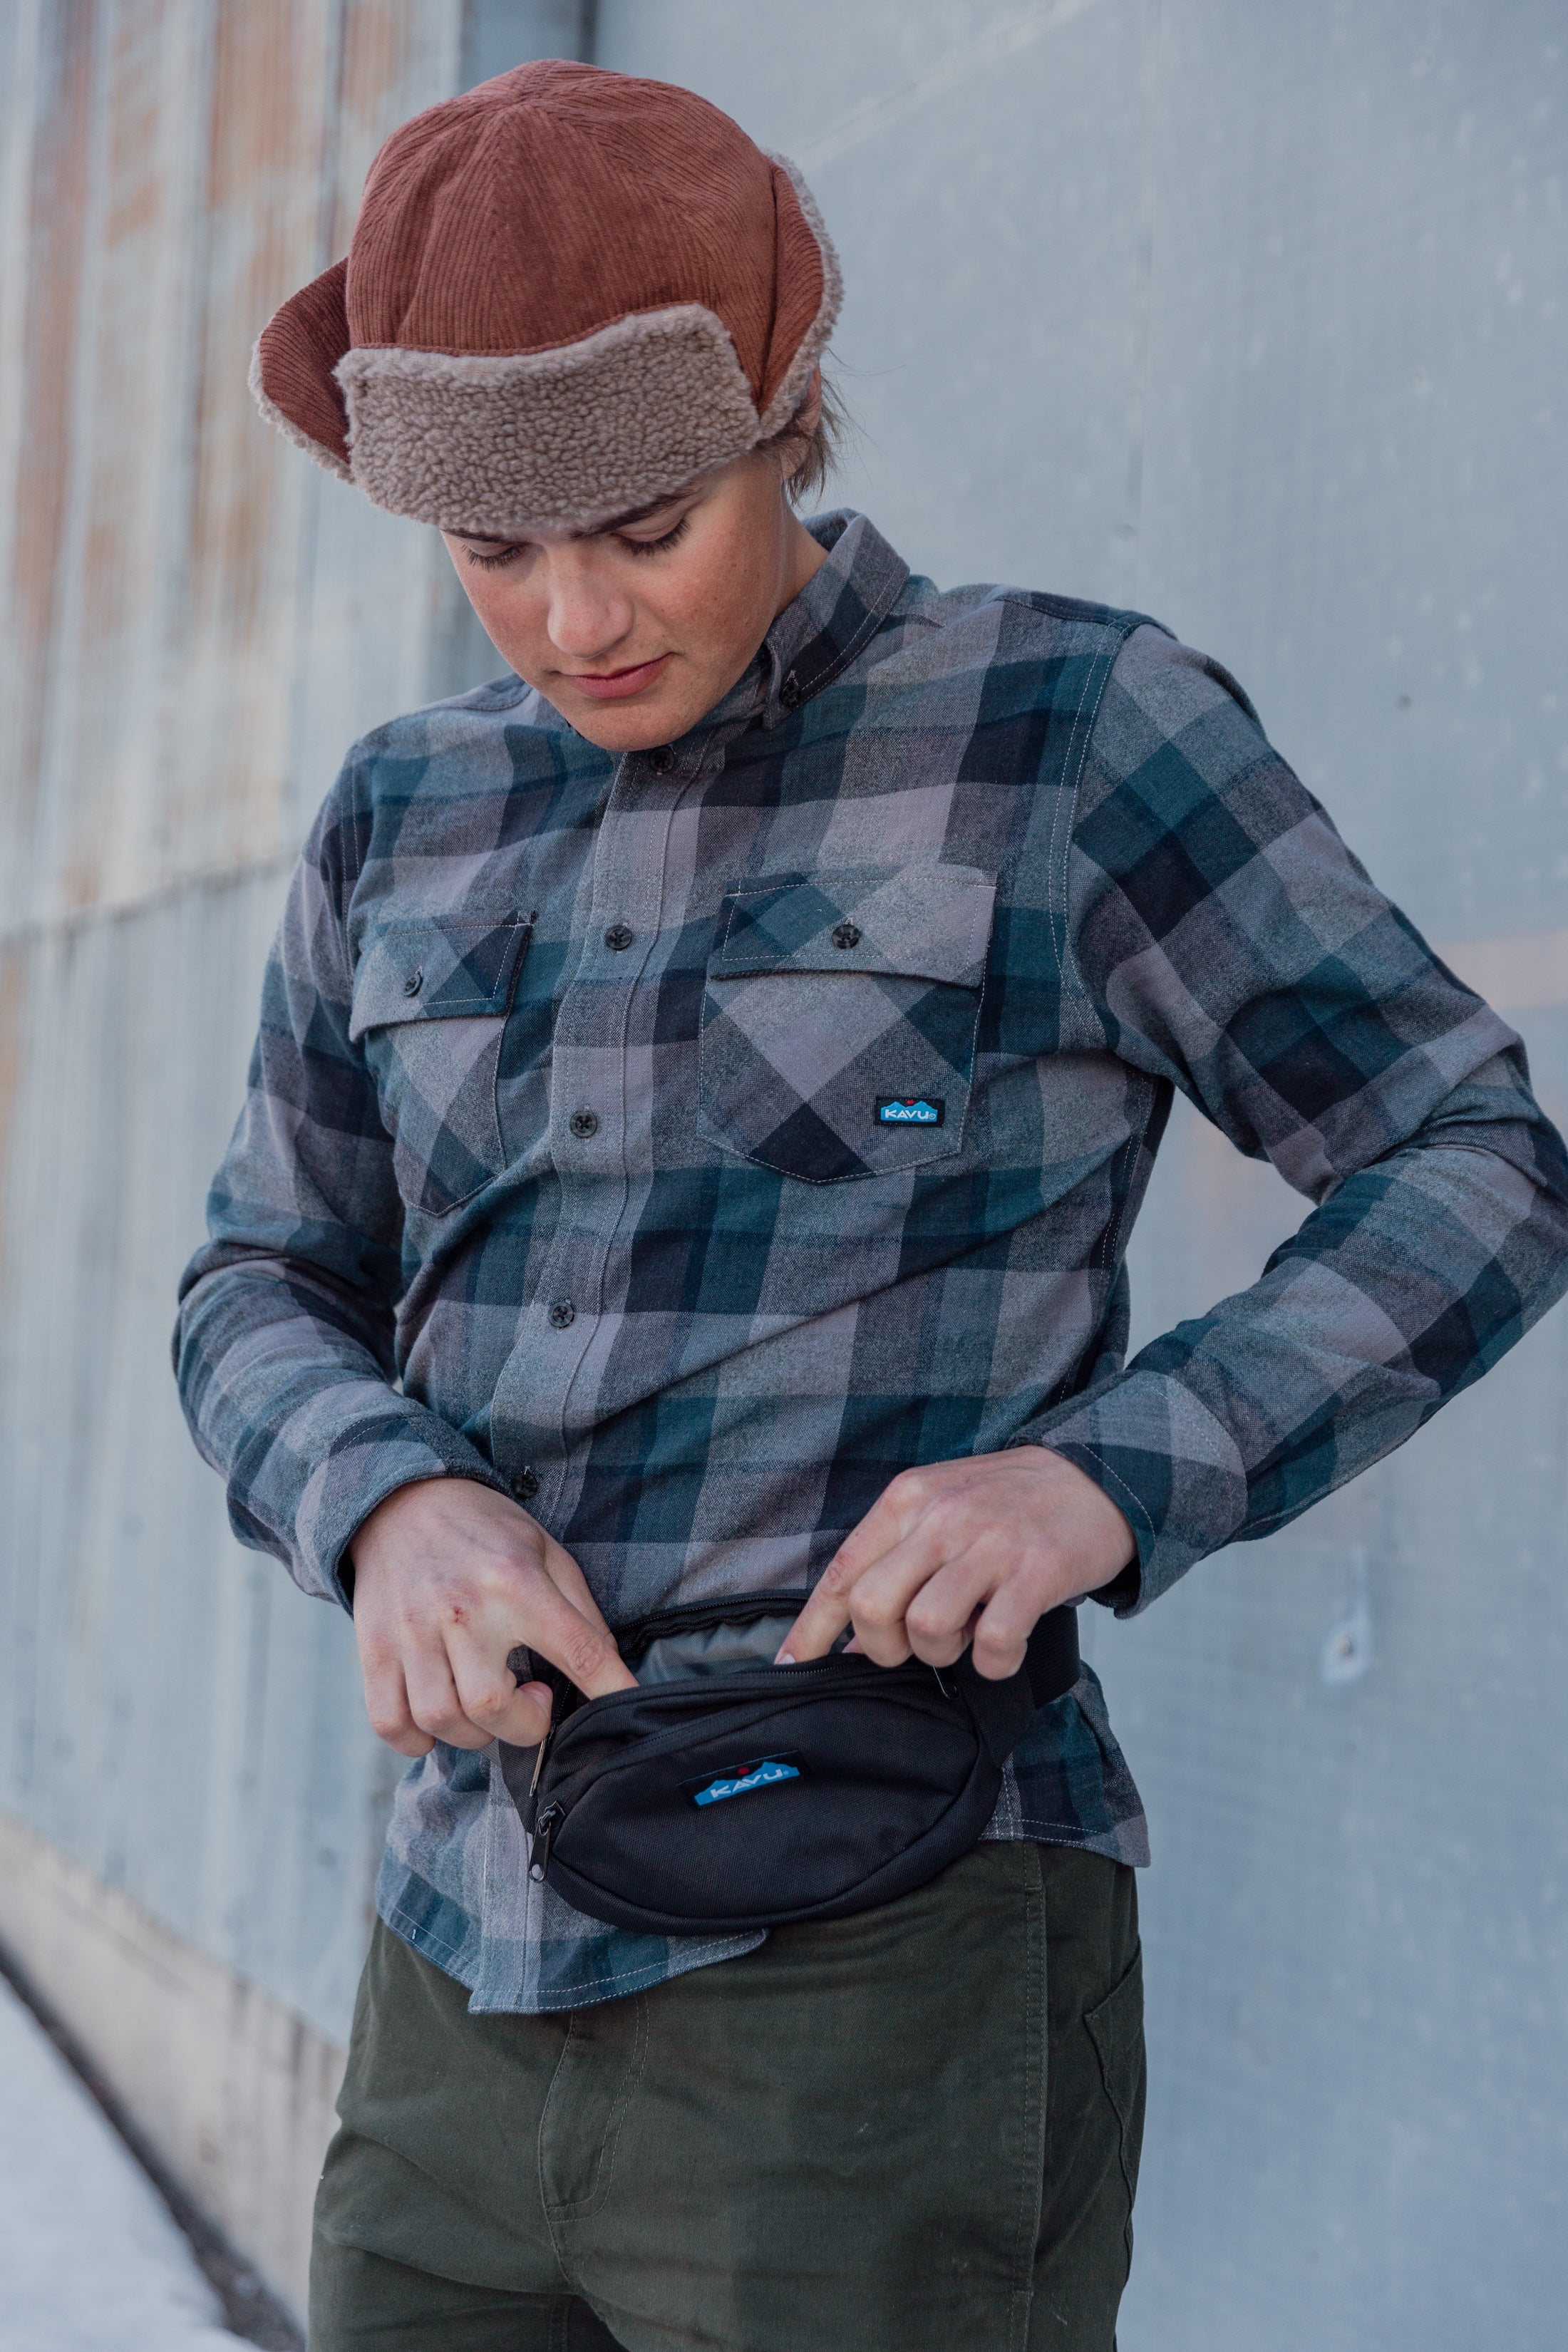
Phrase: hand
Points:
(448, 1578)
(965, 1551)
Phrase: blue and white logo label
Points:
(910, 1111)
(740, 1783)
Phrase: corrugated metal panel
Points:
(194, 625)
(174, 1716)
(175, 611)
(1256, 319)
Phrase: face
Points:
(632, 632)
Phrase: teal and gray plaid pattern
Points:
(686, 1144)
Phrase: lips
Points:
(616, 685)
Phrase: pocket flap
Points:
(438, 968)
(920, 922)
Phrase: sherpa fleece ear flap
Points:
(292, 369)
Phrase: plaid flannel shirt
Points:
(688, 1143)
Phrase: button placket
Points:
(623, 917)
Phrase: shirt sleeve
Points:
(283, 1350)
(1225, 941)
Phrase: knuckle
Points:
(837, 1578)
(489, 1701)
(442, 1722)
(879, 1610)
(587, 1653)
(947, 1509)
(927, 1619)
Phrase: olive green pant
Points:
(916, 2130)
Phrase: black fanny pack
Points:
(726, 1793)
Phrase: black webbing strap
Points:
(1052, 1661)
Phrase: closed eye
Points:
(657, 546)
(496, 558)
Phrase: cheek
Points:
(512, 619)
(730, 604)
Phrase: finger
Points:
(582, 1646)
(898, 1605)
(568, 1579)
(941, 1617)
(433, 1697)
(820, 1622)
(386, 1704)
(490, 1695)
(1004, 1626)
(888, 1523)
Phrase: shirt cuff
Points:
(407, 1445)
(1170, 1468)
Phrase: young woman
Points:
(705, 1084)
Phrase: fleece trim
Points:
(569, 438)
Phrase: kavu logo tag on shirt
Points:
(743, 1777)
(910, 1111)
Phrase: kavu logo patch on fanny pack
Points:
(762, 1773)
(910, 1111)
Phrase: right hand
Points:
(448, 1578)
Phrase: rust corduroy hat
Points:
(568, 293)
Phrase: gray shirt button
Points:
(661, 759)
(618, 936)
(583, 1124)
(414, 984)
(525, 1485)
(562, 1313)
(847, 935)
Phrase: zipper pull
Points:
(544, 1830)
(544, 1748)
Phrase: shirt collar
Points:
(836, 614)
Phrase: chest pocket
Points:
(839, 1019)
(431, 1001)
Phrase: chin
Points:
(624, 728)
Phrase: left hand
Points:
(957, 1552)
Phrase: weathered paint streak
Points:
(192, 162)
(52, 238)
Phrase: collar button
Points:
(661, 759)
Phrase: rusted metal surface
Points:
(181, 166)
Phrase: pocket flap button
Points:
(847, 935)
(414, 984)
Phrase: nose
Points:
(590, 614)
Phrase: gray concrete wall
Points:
(1255, 318)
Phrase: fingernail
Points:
(786, 1658)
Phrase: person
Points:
(706, 1081)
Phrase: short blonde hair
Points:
(815, 455)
